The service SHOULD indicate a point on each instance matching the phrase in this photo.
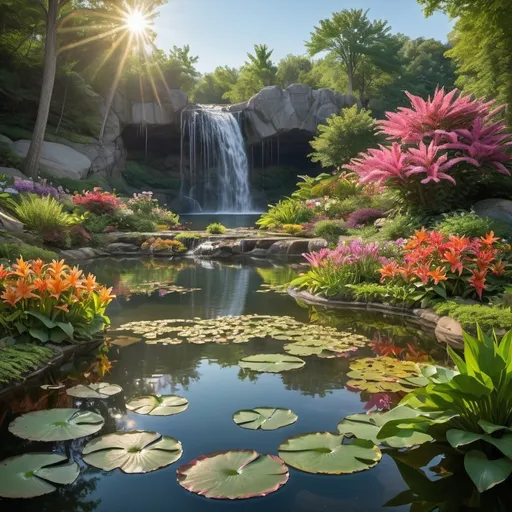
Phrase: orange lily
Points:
(57, 286)
(422, 272)
(498, 269)
(453, 258)
(90, 283)
(477, 281)
(106, 294)
(24, 290)
(10, 297)
(41, 285)
(22, 268)
(488, 239)
(438, 275)
(389, 270)
(73, 278)
(57, 267)
(3, 272)
(37, 266)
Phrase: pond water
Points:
(208, 376)
(199, 221)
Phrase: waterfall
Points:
(216, 176)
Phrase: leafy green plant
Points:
(184, 237)
(286, 211)
(392, 293)
(17, 360)
(401, 226)
(469, 410)
(215, 228)
(306, 186)
(471, 225)
(343, 137)
(8, 158)
(11, 251)
(331, 230)
(293, 229)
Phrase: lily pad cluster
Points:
(271, 363)
(385, 374)
(311, 338)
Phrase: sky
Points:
(221, 32)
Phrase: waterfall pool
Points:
(209, 377)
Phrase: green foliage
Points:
(212, 87)
(292, 229)
(331, 230)
(469, 410)
(8, 158)
(307, 185)
(119, 221)
(471, 225)
(293, 69)
(401, 226)
(488, 317)
(343, 137)
(18, 360)
(286, 211)
(73, 185)
(12, 251)
(388, 293)
(141, 176)
(215, 228)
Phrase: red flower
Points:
(477, 281)
(489, 239)
(453, 258)
(498, 269)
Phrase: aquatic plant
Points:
(100, 390)
(216, 228)
(166, 405)
(264, 418)
(51, 302)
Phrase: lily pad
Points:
(327, 453)
(234, 474)
(264, 418)
(52, 387)
(56, 425)
(165, 405)
(34, 474)
(98, 391)
(367, 426)
(271, 363)
(132, 452)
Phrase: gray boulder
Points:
(168, 112)
(9, 223)
(60, 160)
(5, 140)
(11, 172)
(497, 209)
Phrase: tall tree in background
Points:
(293, 69)
(351, 37)
(261, 64)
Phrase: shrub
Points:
(331, 230)
(97, 201)
(51, 303)
(215, 229)
(392, 293)
(121, 220)
(305, 187)
(468, 315)
(184, 237)
(8, 158)
(38, 188)
(401, 226)
(438, 143)
(78, 236)
(18, 360)
(144, 204)
(292, 229)
(470, 224)
(286, 211)
(343, 137)
(12, 251)
(339, 186)
(363, 217)
(160, 245)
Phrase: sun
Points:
(136, 22)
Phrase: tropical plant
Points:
(215, 228)
(305, 187)
(98, 201)
(343, 137)
(286, 211)
(469, 410)
(51, 302)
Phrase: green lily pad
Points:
(367, 426)
(132, 452)
(165, 405)
(56, 425)
(271, 363)
(98, 391)
(234, 474)
(326, 453)
(34, 474)
(264, 418)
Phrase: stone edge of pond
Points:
(446, 329)
(62, 356)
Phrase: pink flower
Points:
(315, 259)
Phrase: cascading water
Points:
(216, 177)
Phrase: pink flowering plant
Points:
(445, 141)
(98, 201)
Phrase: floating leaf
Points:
(98, 391)
(367, 426)
(52, 387)
(264, 418)
(132, 452)
(271, 363)
(153, 405)
(56, 425)
(326, 453)
(33, 474)
(234, 474)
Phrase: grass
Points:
(11, 251)
(17, 360)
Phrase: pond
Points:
(209, 377)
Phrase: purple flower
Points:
(363, 216)
(39, 188)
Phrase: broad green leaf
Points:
(100, 390)
(153, 405)
(490, 428)
(39, 334)
(132, 452)
(33, 474)
(504, 444)
(324, 452)
(458, 360)
(67, 328)
(56, 425)
(234, 474)
(486, 473)
(58, 336)
(462, 438)
(46, 321)
(271, 363)
(264, 418)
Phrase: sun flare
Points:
(136, 22)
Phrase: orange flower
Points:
(422, 235)
(3, 272)
(73, 278)
(438, 275)
(422, 272)
(64, 308)
(41, 285)
(459, 243)
(453, 258)
(10, 297)
(389, 270)
(477, 281)
(488, 239)
(22, 268)
(24, 290)
(37, 266)
(57, 287)
(498, 269)
(90, 283)
(106, 294)
(57, 267)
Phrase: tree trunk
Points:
(63, 106)
(50, 66)
(350, 77)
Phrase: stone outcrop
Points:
(299, 107)
(9, 223)
(5, 140)
(496, 209)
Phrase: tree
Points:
(293, 69)
(261, 64)
(343, 137)
(212, 87)
(351, 36)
